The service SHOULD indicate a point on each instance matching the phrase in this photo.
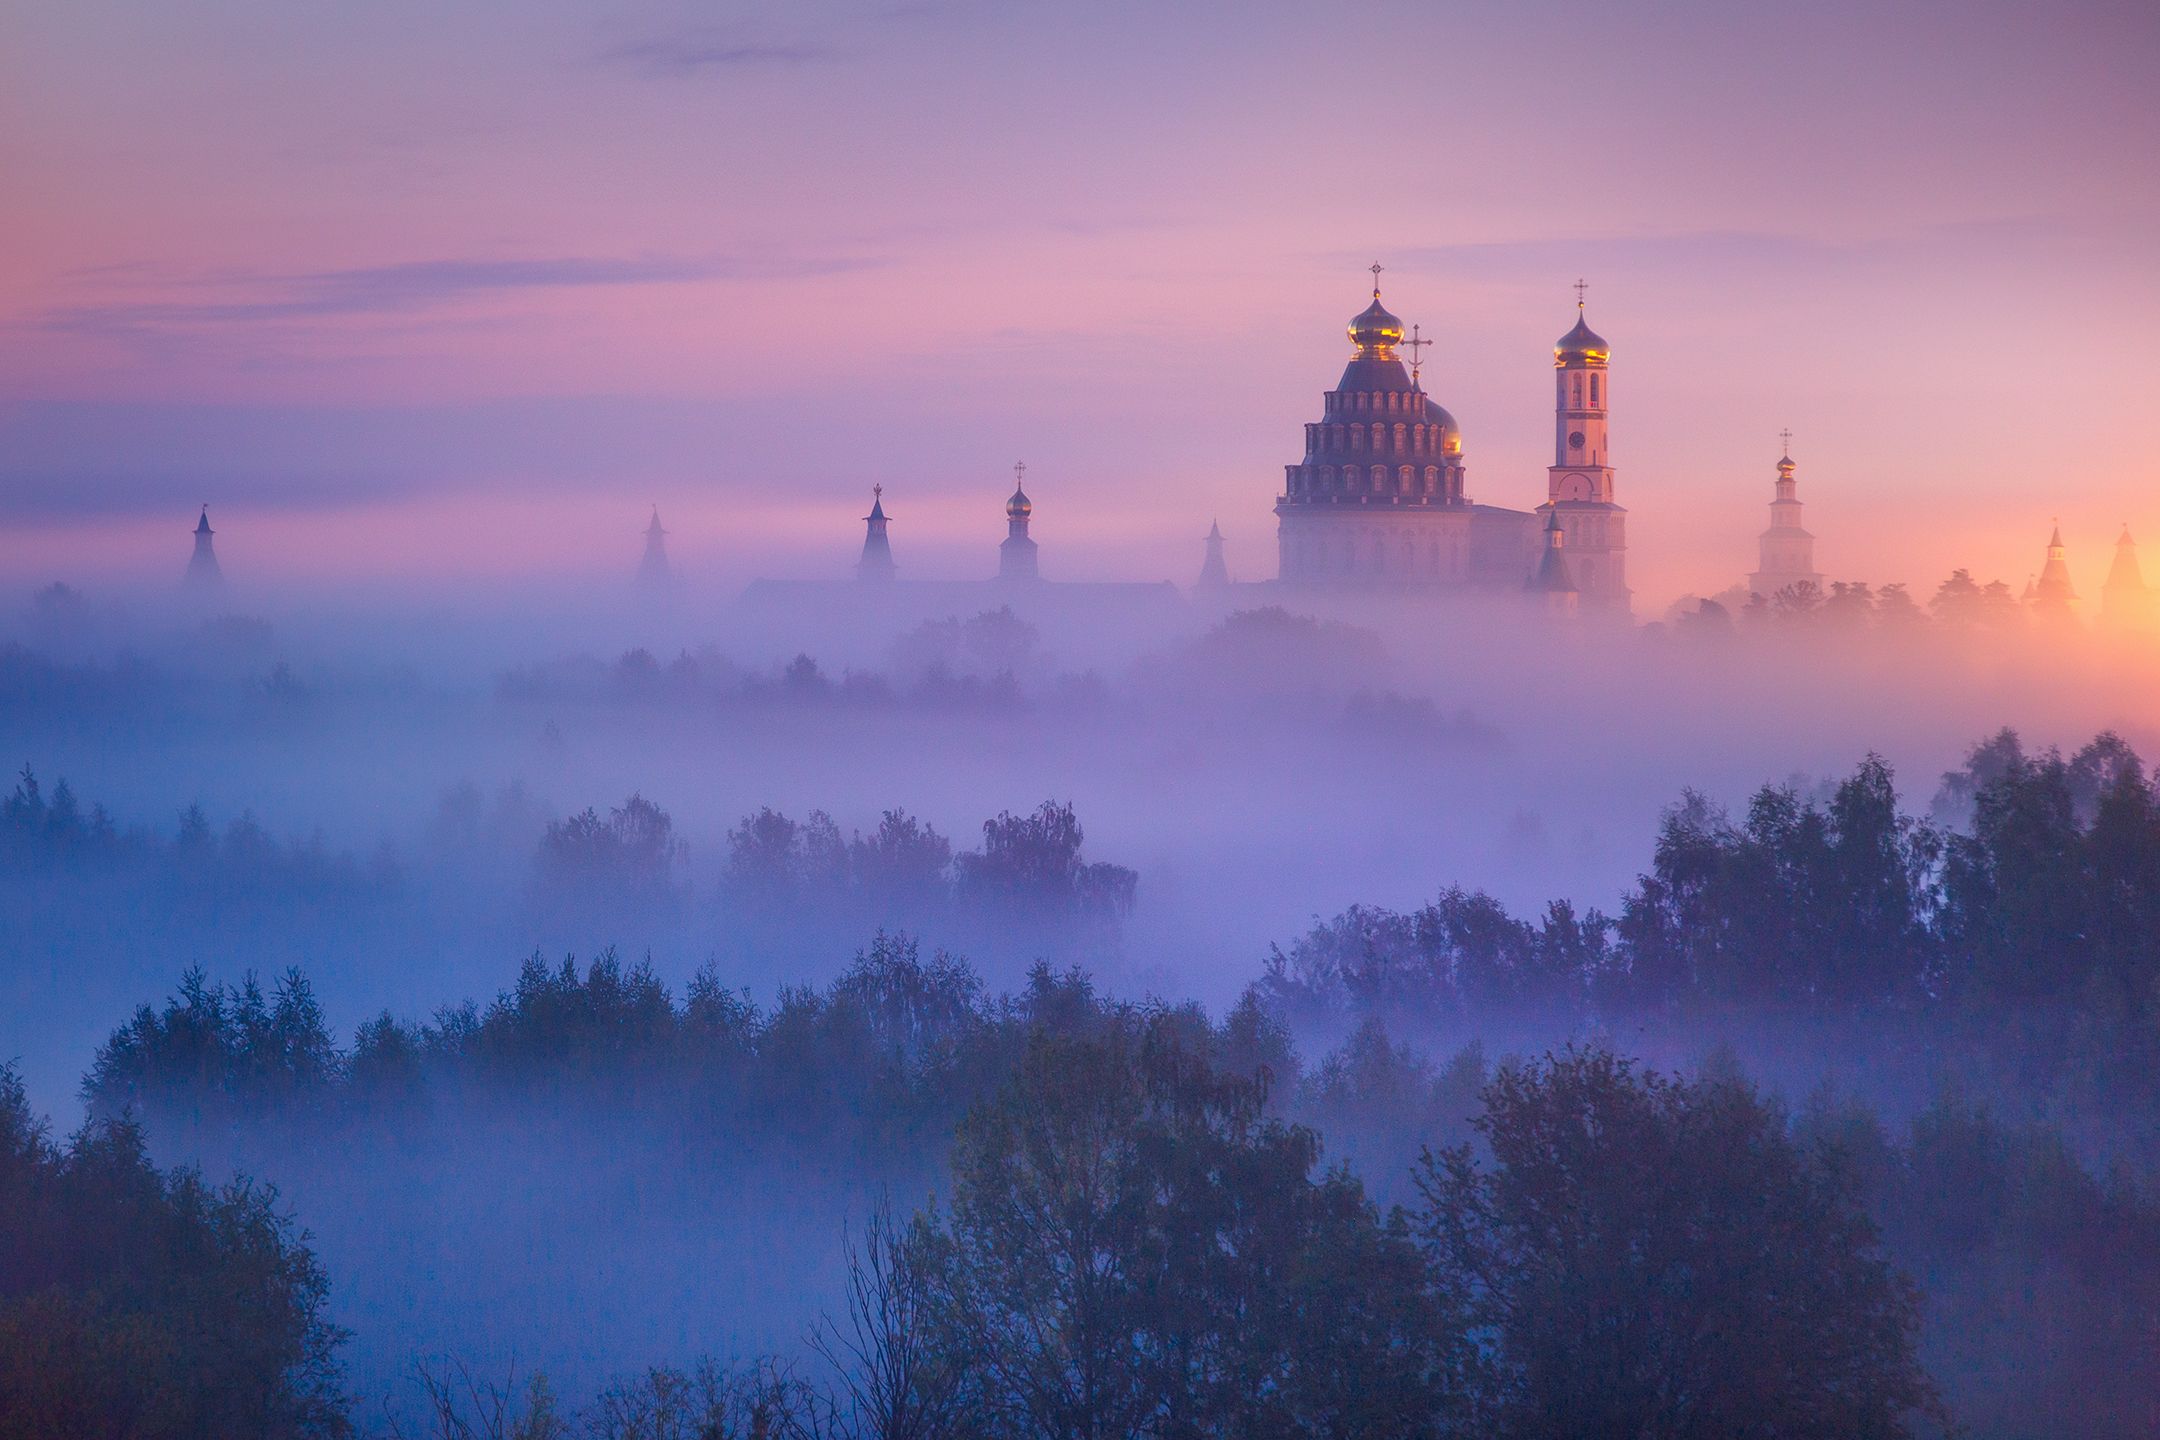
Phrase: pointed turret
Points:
(653, 569)
(1551, 582)
(1016, 556)
(2125, 603)
(1214, 574)
(876, 562)
(2053, 596)
(202, 567)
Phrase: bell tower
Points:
(1579, 485)
(1016, 556)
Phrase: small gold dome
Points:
(1581, 346)
(1019, 507)
(1376, 332)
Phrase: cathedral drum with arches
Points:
(1379, 499)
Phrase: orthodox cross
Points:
(1376, 267)
(1019, 473)
(1580, 286)
(1785, 440)
(1413, 345)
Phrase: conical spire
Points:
(203, 568)
(2125, 573)
(2053, 594)
(1552, 579)
(2125, 603)
(1214, 573)
(876, 562)
(653, 569)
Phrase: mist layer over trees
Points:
(1936, 1254)
(943, 1036)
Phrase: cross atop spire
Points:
(1376, 268)
(1414, 345)
(1785, 440)
(1019, 473)
(1580, 287)
(877, 492)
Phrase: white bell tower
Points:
(1579, 486)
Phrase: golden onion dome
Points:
(1376, 332)
(1581, 346)
(1019, 507)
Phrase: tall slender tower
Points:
(1787, 551)
(1214, 574)
(1016, 557)
(2053, 596)
(2125, 603)
(652, 571)
(1579, 485)
(202, 570)
(876, 562)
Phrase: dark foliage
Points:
(1651, 1256)
(1030, 870)
(1135, 1246)
(2036, 924)
(50, 841)
(141, 1303)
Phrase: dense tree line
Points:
(43, 833)
(1030, 865)
(1138, 1244)
(787, 876)
(977, 664)
(1162, 1120)
(48, 837)
(1141, 1232)
(2033, 899)
(1959, 605)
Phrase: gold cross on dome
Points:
(1580, 287)
(1376, 268)
(1785, 441)
(1019, 474)
(1414, 345)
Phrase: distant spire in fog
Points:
(1785, 553)
(2125, 603)
(876, 562)
(653, 569)
(1552, 581)
(1016, 556)
(202, 567)
(1214, 574)
(2053, 596)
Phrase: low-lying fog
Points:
(1255, 770)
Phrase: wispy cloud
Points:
(233, 298)
(703, 51)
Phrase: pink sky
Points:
(374, 281)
